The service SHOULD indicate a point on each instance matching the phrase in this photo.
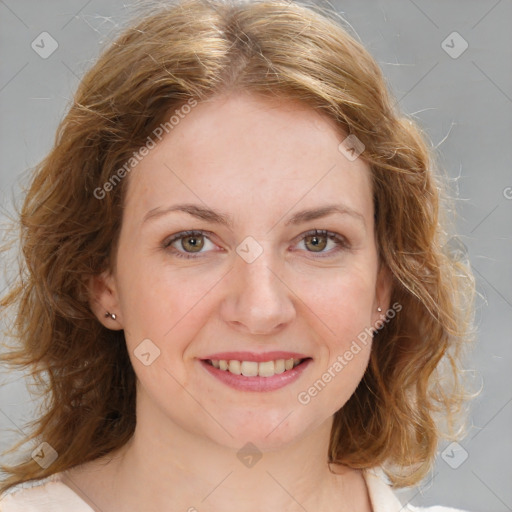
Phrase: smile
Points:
(254, 368)
(246, 375)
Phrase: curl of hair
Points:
(199, 49)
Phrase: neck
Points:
(164, 467)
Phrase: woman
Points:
(234, 277)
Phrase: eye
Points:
(318, 239)
(190, 241)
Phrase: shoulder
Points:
(383, 499)
(46, 495)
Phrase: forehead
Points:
(250, 154)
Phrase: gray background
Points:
(465, 106)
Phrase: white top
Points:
(53, 495)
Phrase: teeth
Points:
(254, 369)
(249, 368)
(235, 367)
(279, 366)
(266, 369)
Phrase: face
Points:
(281, 265)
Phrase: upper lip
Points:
(254, 356)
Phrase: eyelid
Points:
(184, 234)
(341, 242)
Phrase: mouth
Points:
(253, 371)
(247, 368)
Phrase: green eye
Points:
(318, 240)
(315, 241)
(191, 242)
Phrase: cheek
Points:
(343, 308)
(160, 303)
(342, 300)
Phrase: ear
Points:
(383, 289)
(103, 298)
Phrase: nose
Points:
(258, 300)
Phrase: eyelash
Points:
(340, 241)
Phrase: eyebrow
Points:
(216, 217)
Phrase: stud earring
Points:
(111, 315)
(379, 309)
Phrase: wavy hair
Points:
(412, 393)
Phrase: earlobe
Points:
(103, 300)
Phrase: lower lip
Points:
(257, 383)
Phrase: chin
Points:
(268, 431)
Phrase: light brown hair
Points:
(199, 49)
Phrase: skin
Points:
(260, 162)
